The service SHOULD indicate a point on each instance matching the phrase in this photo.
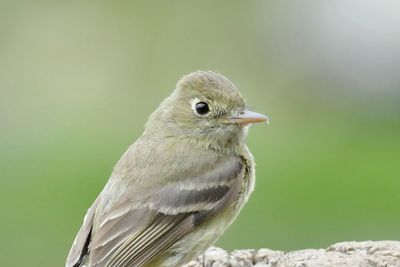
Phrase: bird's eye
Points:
(202, 108)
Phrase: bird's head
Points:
(205, 105)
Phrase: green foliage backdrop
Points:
(78, 80)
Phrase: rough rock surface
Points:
(344, 254)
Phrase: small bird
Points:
(179, 186)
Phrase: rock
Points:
(344, 254)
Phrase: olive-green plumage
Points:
(179, 186)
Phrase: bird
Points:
(177, 188)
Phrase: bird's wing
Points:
(141, 228)
(80, 246)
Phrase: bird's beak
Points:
(248, 117)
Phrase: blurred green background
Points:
(78, 80)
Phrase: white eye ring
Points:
(194, 104)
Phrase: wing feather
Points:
(80, 246)
(141, 249)
(150, 220)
